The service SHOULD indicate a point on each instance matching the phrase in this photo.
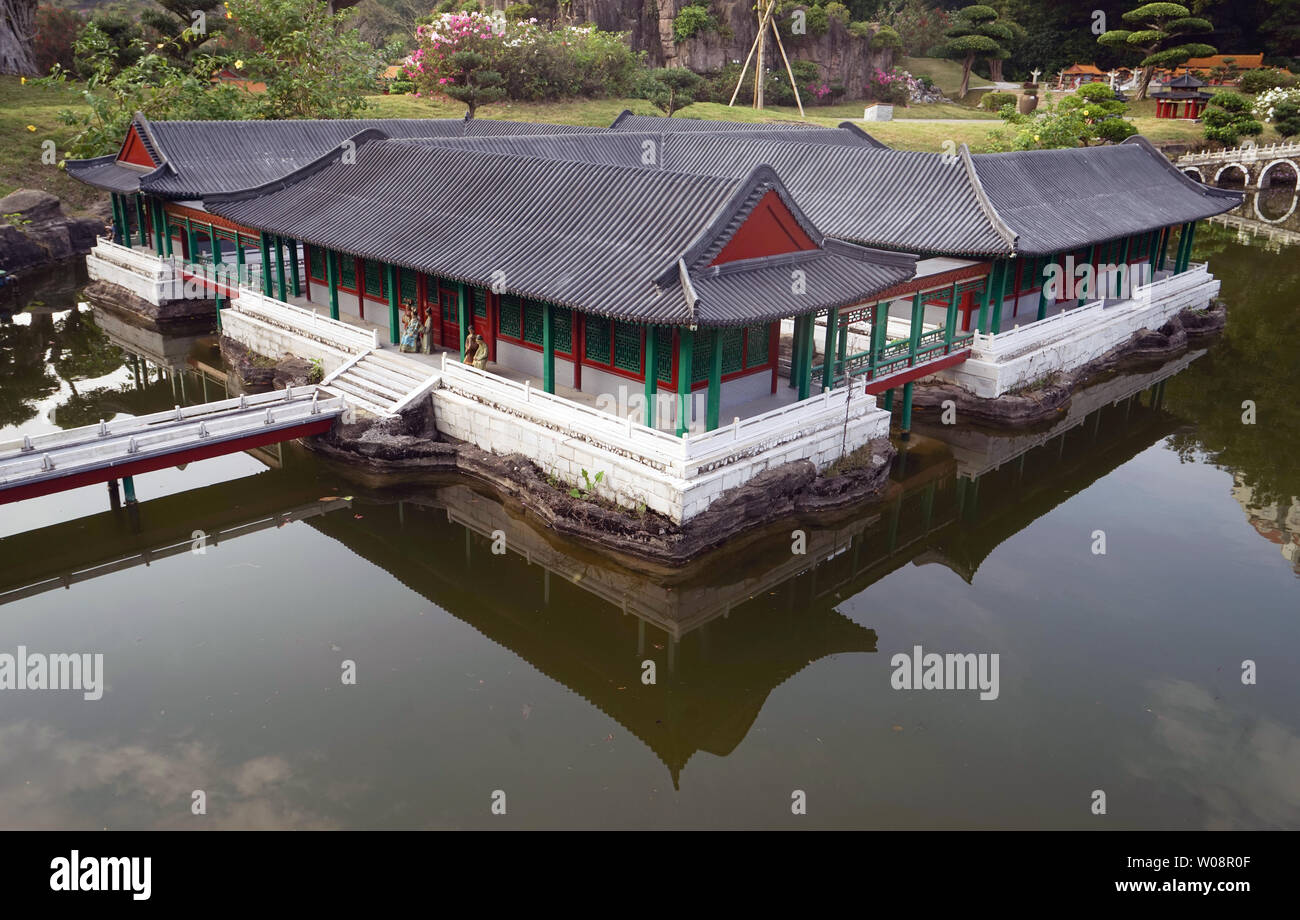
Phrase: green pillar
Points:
(280, 285)
(879, 321)
(1007, 274)
(914, 328)
(1164, 248)
(462, 317)
(394, 319)
(844, 343)
(950, 321)
(239, 258)
(685, 358)
(166, 229)
(650, 363)
(155, 211)
(889, 400)
(139, 216)
(548, 347)
(1189, 231)
(189, 241)
(806, 360)
(117, 217)
(1089, 290)
(126, 223)
(796, 351)
(1042, 290)
(828, 365)
(990, 283)
(715, 379)
(332, 280)
(128, 487)
(264, 241)
(294, 284)
(907, 410)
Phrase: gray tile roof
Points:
(605, 239)
(207, 157)
(847, 134)
(106, 173)
(1057, 200)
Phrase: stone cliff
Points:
(844, 58)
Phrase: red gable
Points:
(769, 230)
(134, 151)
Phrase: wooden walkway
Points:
(42, 464)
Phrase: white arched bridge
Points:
(1258, 165)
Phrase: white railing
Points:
(1238, 154)
(1001, 345)
(683, 456)
(333, 332)
(131, 439)
(54, 440)
(144, 262)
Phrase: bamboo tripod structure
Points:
(766, 10)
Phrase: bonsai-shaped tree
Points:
(674, 89)
(1228, 117)
(976, 33)
(1018, 34)
(1286, 118)
(1161, 37)
(1091, 116)
(473, 84)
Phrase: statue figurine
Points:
(412, 329)
(470, 341)
(481, 353)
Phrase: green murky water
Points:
(523, 673)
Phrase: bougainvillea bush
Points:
(889, 86)
(536, 61)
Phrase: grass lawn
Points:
(21, 166)
(945, 74)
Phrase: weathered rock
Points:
(381, 450)
(249, 372)
(1043, 401)
(844, 58)
(35, 231)
(173, 316)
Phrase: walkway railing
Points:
(682, 456)
(1239, 154)
(332, 332)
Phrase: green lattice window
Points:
(374, 273)
(347, 271)
(733, 349)
(478, 297)
(450, 307)
(701, 353)
(409, 284)
(316, 261)
(758, 339)
(562, 330)
(627, 347)
(533, 322)
(664, 353)
(598, 337)
(508, 321)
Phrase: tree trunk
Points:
(17, 30)
(965, 76)
(995, 71)
(1147, 74)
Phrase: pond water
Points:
(479, 674)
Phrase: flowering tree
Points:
(1092, 115)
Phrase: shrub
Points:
(1228, 118)
(888, 86)
(886, 38)
(996, 100)
(1266, 78)
(520, 12)
(400, 87)
(691, 21)
(838, 12)
(860, 29)
(56, 30)
(1286, 118)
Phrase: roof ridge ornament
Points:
(999, 225)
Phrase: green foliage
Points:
(1265, 78)
(1228, 118)
(1090, 116)
(314, 64)
(1286, 118)
(976, 34)
(675, 88)
(516, 12)
(588, 487)
(863, 30)
(885, 38)
(475, 83)
(996, 100)
(691, 21)
(1160, 37)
